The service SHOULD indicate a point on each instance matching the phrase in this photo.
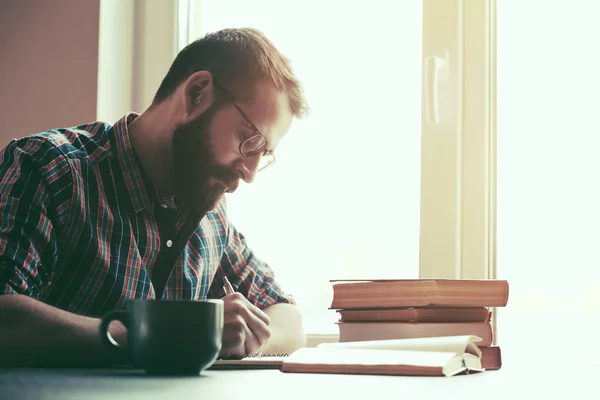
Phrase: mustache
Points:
(226, 177)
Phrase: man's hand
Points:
(246, 330)
(34, 334)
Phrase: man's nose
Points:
(247, 167)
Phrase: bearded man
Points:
(96, 215)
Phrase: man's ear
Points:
(198, 94)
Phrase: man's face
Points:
(207, 160)
(199, 180)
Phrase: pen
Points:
(227, 287)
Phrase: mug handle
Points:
(117, 315)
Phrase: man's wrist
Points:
(283, 342)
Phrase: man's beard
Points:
(194, 166)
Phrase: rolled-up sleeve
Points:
(249, 275)
(28, 244)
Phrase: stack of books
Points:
(391, 309)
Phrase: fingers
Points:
(255, 310)
(253, 343)
(239, 340)
(246, 329)
(234, 338)
(237, 302)
(255, 320)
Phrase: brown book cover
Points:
(491, 357)
(392, 293)
(415, 314)
(365, 331)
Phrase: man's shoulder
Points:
(88, 142)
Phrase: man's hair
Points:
(237, 59)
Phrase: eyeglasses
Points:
(255, 144)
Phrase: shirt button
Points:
(169, 243)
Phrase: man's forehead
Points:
(270, 111)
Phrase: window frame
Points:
(137, 44)
(464, 246)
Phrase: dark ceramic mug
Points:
(169, 337)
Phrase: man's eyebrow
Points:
(252, 127)
(253, 130)
(248, 122)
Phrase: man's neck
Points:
(151, 137)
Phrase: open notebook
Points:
(271, 361)
(443, 356)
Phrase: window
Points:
(363, 188)
(342, 201)
(548, 141)
(391, 175)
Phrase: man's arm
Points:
(287, 332)
(267, 317)
(32, 332)
(35, 334)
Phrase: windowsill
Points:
(314, 339)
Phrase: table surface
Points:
(561, 378)
(543, 359)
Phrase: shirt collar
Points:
(141, 189)
(139, 186)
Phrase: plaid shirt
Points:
(78, 228)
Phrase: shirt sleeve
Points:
(249, 276)
(28, 244)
